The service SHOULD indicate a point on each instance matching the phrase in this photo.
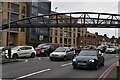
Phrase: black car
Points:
(47, 49)
(88, 59)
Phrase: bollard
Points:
(118, 78)
(9, 53)
(118, 66)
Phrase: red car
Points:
(46, 48)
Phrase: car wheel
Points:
(73, 56)
(97, 66)
(65, 58)
(15, 56)
(102, 64)
(75, 67)
(51, 59)
(46, 54)
(32, 55)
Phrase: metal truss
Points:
(73, 19)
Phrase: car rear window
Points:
(88, 53)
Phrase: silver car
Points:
(63, 53)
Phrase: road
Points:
(44, 68)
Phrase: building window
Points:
(69, 34)
(22, 30)
(50, 32)
(65, 34)
(79, 29)
(0, 19)
(23, 9)
(14, 17)
(65, 28)
(55, 32)
(1, 5)
(69, 41)
(60, 32)
(78, 35)
(33, 30)
(61, 19)
(74, 35)
(55, 39)
(73, 41)
(34, 11)
(73, 29)
(14, 7)
(65, 41)
(60, 40)
(50, 39)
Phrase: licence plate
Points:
(82, 63)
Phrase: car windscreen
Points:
(88, 53)
(40, 45)
(46, 46)
(15, 48)
(60, 49)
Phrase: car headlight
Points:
(91, 60)
(74, 60)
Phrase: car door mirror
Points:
(67, 51)
(19, 50)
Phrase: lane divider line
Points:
(26, 60)
(32, 74)
(106, 72)
(66, 64)
(39, 58)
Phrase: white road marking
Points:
(66, 64)
(32, 74)
(26, 60)
(39, 58)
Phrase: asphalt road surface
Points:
(42, 67)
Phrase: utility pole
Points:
(56, 8)
(8, 40)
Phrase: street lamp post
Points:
(56, 8)
(103, 41)
(8, 40)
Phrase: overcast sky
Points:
(104, 6)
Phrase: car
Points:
(88, 59)
(2, 54)
(89, 47)
(111, 49)
(38, 49)
(22, 51)
(47, 49)
(102, 48)
(63, 53)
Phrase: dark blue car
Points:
(91, 58)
